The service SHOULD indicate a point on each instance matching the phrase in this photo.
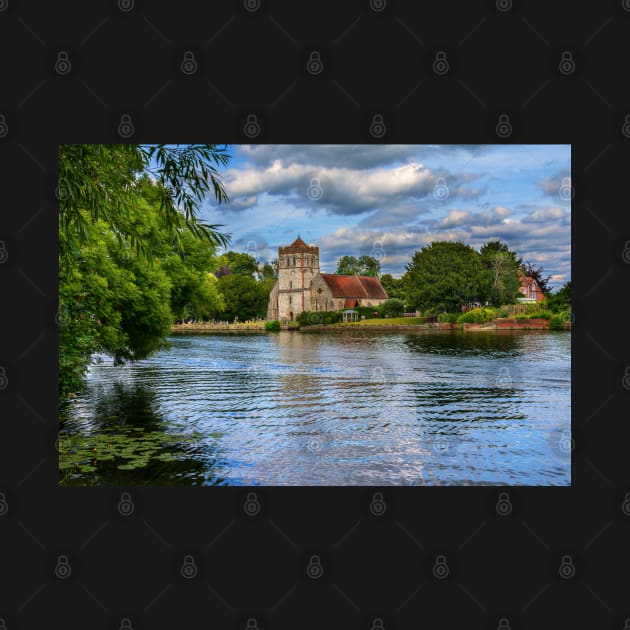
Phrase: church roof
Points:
(355, 286)
(297, 246)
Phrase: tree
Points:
(244, 297)
(365, 266)
(447, 274)
(392, 307)
(239, 263)
(268, 271)
(393, 286)
(501, 265)
(561, 299)
(531, 270)
(120, 233)
(98, 181)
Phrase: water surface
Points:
(351, 408)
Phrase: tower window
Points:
(289, 299)
(290, 284)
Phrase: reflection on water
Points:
(359, 408)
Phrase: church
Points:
(302, 287)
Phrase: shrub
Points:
(558, 321)
(542, 315)
(477, 316)
(391, 308)
(315, 318)
(503, 314)
(448, 318)
(273, 325)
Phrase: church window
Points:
(289, 299)
(290, 284)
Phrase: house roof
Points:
(355, 286)
(527, 281)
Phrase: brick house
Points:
(530, 290)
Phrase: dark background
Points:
(124, 57)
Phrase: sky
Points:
(389, 201)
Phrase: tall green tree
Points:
(501, 265)
(240, 263)
(447, 274)
(393, 286)
(364, 265)
(244, 297)
(126, 213)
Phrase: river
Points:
(351, 408)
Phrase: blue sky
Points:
(391, 200)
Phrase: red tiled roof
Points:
(350, 302)
(354, 286)
(298, 245)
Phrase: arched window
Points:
(289, 299)
(290, 284)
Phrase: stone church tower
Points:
(298, 264)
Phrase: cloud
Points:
(352, 156)
(551, 185)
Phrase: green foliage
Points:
(82, 457)
(558, 321)
(131, 252)
(364, 266)
(316, 318)
(446, 273)
(272, 325)
(244, 297)
(101, 182)
(392, 308)
(561, 300)
(239, 263)
(393, 286)
(477, 316)
(503, 314)
(501, 267)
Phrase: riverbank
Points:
(537, 323)
(397, 324)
